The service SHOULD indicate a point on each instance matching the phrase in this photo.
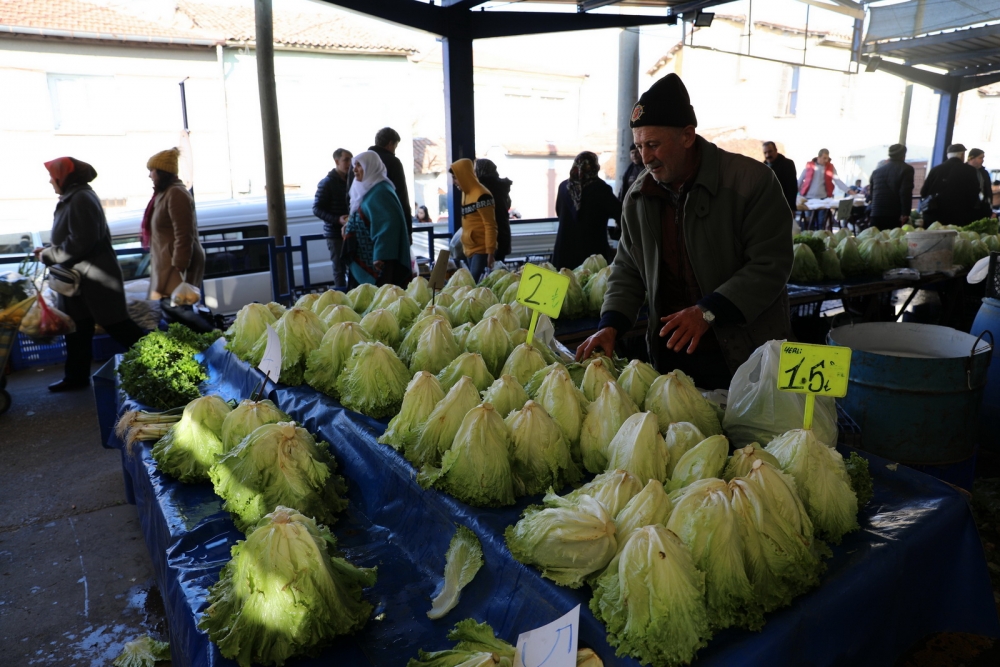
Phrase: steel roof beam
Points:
(941, 82)
(952, 57)
(587, 5)
(973, 82)
(509, 24)
(936, 40)
(975, 70)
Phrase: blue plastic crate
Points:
(28, 352)
(104, 347)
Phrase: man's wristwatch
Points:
(708, 315)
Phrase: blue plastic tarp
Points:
(916, 567)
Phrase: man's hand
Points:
(688, 326)
(603, 339)
(37, 252)
(343, 220)
(490, 260)
(379, 264)
(904, 219)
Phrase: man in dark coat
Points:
(81, 241)
(331, 206)
(892, 190)
(954, 186)
(976, 157)
(486, 172)
(386, 142)
(635, 168)
(784, 171)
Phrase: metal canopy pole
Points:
(947, 108)
(277, 223)
(459, 114)
(904, 121)
(628, 93)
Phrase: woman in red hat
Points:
(81, 241)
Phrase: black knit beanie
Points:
(666, 103)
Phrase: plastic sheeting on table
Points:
(916, 567)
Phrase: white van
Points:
(236, 274)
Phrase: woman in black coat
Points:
(486, 172)
(584, 205)
(81, 240)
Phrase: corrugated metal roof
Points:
(968, 51)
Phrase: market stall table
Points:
(916, 567)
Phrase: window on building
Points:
(788, 91)
(83, 104)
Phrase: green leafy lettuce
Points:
(192, 444)
(422, 394)
(461, 563)
(285, 593)
(250, 323)
(245, 418)
(325, 363)
(443, 423)
(604, 417)
(299, 331)
(674, 398)
(373, 380)
(638, 448)
(540, 458)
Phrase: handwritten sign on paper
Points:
(552, 645)
(270, 364)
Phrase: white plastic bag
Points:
(758, 412)
(185, 294)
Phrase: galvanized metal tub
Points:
(915, 389)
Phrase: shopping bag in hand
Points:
(185, 294)
(43, 322)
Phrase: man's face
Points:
(344, 163)
(635, 156)
(823, 158)
(664, 150)
(977, 161)
(770, 152)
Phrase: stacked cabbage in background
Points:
(823, 255)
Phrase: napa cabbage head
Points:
(490, 340)
(594, 379)
(419, 290)
(194, 443)
(638, 448)
(705, 460)
(285, 593)
(443, 423)
(246, 417)
(422, 394)
(468, 364)
(361, 297)
(299, 331)
(278, 464)
(405, 310)
(540, 456)
(251, 322)
(564, 403)
(651, 506)
(337, 314)
(476, 469)
(505, 395)
(436, 348)
(782, 496)
(674, 398)
(408, 344)
(327, 361)
(524, 361)
(822, 482)
(680, 438)
(574, 304)
(382, 326)
(373, 380)
(307, 301)
(504, 314)
(671, 623)
(636, 379)
(461, 278)
(328, 299)
(613, 489)
(595, 290)
(741, 462)
(568, 540)
(604, 417)
(704, 520)
(385, 295)
(469, 309)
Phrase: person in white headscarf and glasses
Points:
(375, 240)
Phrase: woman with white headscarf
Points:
(375, 238)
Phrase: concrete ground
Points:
(76, 582)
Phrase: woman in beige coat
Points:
(170, 228)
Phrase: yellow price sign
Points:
(542, 290)
(820, 370)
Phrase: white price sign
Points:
(270, 364)
(552, 645)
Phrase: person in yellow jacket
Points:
(479, 224)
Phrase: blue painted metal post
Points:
(947, 108)
(460, 114)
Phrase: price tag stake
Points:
(542, 291)
(813, 370)
(552, 645)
